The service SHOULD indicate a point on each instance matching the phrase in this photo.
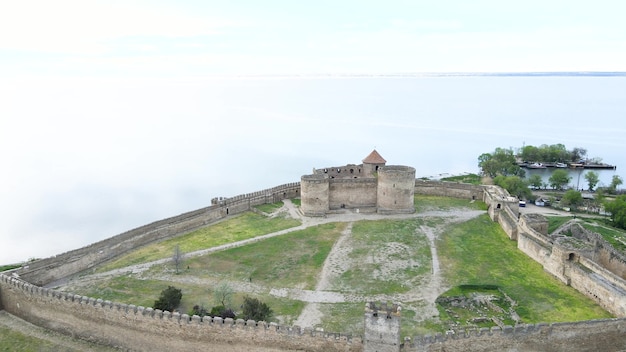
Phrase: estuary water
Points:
(90, 158)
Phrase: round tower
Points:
(314, 194)
(396, 189)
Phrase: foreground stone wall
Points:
(590, 336)
(145, 329)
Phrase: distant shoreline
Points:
(432, 74)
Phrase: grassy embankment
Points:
(475, 252)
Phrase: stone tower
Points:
(372, 163)
(382, 328)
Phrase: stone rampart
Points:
(138, 328)
(44, 271)
(588, 336)
(449, 189)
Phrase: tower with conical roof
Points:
(372, 163)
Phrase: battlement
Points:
(382, 327)
(118, 324)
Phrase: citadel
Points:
(582, 260)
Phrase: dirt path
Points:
(334, 265)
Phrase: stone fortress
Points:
(577, 257)
(371, 186)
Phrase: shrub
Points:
(169, 300)
(199, 311)
(221, 311)
(255, 309)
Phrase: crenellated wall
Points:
(136, 328)
(44, 271)
(584, 261)
(589, 336)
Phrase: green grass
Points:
(470, 178)
(426, 203)
(11, 340)
(269, 208)
(9, 267)
(616, 237)
(291, 260)
(478, 252)
(392, 256)
(297, 202)
(344, 318)
(241, 227)
(554, 222)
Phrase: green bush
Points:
(255, 309)
(221, 311)
(169, 300)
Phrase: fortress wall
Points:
(44, 271)
(533, 248)
(600, 285)
(353, 193)
(145, 329)
(449, 189)
(585, 336)
(606, 255)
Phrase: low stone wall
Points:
(585, 336)
(145, 329)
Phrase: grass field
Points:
(478, 253)
(241, 227)
(387, 257)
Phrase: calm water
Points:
(117, 155)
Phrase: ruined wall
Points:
(396, 189)
(599, 284)
(145, 329)
(606, 255)
(44, 271)
(449, 189)
(352, 193)
(585, 336)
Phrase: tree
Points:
(577, 154)
(177, 258)
(592, 178)
(559, 179)
(500, 162)
(169, 299)
(255, 309)
(515, 185)
(572, 198)
(617, 208)
(223, 294)
(535, 181)
(615, 181)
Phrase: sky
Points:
(82, 38)
(102, 103)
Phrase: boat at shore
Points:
(570, 165)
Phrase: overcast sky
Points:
(101, 109)
(192, 38)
